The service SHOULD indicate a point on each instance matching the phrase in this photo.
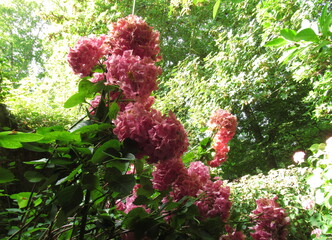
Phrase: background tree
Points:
(20, 42)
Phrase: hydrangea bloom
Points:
(200, 171)
(225, 122)
(221, 150)
(166, 173)
(185, 185)
(136, 77)
(86, 54)
(94, 104)
(97, 77)
(317, 232)
(129, 202)
(271, 220)
(232, 234)
(214, 200)
(159, 137)
(132, 33)
(298, 157)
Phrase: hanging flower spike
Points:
(136, 77)
(133, 33)
(86, 54)
(225, 124)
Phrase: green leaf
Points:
(33, 176)
(90, 181)
(22, 198)
(325, 21)
(71, 175)
(215, 8)
(100, 154)
(288, 34)
(307, 35)
(70, 197)
(13, 140)
(188, 157)
(6, 175)
(74, 100)
(37, 162)
(113, 110)
(63, 136)
(134, 215)
(123, 184)
(277, 42)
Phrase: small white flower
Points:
(298, 157)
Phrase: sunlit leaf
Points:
(215, 8)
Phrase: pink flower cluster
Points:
(132, 33)
(159, 137)
(271, 220)
(213, 197)
(137, 77)
(232, 234)
(129, 205)
(225, 124)
(130, 49)
(86, 54)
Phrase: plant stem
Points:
(85, 215)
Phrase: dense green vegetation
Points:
(268, 62)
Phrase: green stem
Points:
(85, 215)
(133, 11)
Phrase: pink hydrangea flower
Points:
(136, 77)
(214, 200)
(94, 103)
(133, 33)
(232, 234)
(97, 77)
(225, 124)
(221, 150)
(185, 186)
(308, 204)
(86, 54)
(271, 220)
(317, 232)
(158, 136)
(129, 205)
(166, 173)
(223, 120)
(200, 171)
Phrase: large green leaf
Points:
(14, 140)
(215, 8)
(22, 198)
(6, 175)
(70, 197)
(100, 154)
(33, 176)
(113, 110)
(123, 184)
(277, 42)
(288, 34)
(307, 35)
(74, 100)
